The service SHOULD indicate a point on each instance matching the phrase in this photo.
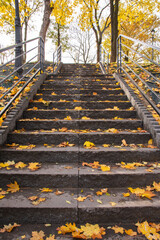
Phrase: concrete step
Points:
(88, 98)
(78, 124)
(98, 138)
(65, 208)
(79, 85)
(85, 105)
(74, 175)
(18, 208)
(79, 91)
(27, 229)
(74, 114)
(103, 155)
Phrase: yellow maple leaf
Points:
(150, 142)
(9, 228)
(156, 186)
(126, 194)
(68, 228)
(106, 145)
(124, 143)
(130, 232)
(53, 93)
(78, 108)
(37, 235)
(117, 229)
(2, 196)
(92, 231)
(85, 118)
(13, 187)
(57, 192)
(20, 165)
(105, 168)
(46, 190)
(88, 144)
(68, 118)
(81, 199)
(33, 166)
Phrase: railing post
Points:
(18, 39)
(108, 62)
(53, 62)
(120, 52)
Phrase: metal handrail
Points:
(57, 56)
(104, 58)
(122, 65)
(26, 78)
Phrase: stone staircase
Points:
(80, 104)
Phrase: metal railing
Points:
(57, 55)
(104, 59)
(134, 65)
(13, 82)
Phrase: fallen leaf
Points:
(105, 168)
(85, 118)
(130, 232)
(88, 144)
(37, 235)
(113, 204)
(78, 108)
(68, 202)
(99, 201)
(81, 199)
(9, 228)
(150, 142)
(124, 143)
(13, 187)
(117, 229)
(126, 194)
(65, 144)
(46, 190)
(57, 192)
(20, 165)
(33, 198)
(34, 166)
(68, 118)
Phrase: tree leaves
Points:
(9, 228)
(33, 166)
(97, 165)
(89, 145)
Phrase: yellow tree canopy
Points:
(7, 12)
(62, 11)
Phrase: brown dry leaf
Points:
(92, 165)
(117, 229)
(130, 232)
(148, 194)
(57, 192)
(33, 198)
(34, 166)
(9, 228)
(102, 191)
(13, 187)
(37, 235)
(124, 143)
(46, 190)
(20, 165)
(94, 93)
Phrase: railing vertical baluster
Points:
(120, 53)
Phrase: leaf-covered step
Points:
(75, 114)
(41, 174)
(72, 97)
(103, 155)
(99, 138)
(134, 175)
(79, 91)
(46, 208)
(31, 124)
(116, 208)
(42, 104)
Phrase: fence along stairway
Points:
(61, 167)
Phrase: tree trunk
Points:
(46, 20)
(58, 35)
(114, 7)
